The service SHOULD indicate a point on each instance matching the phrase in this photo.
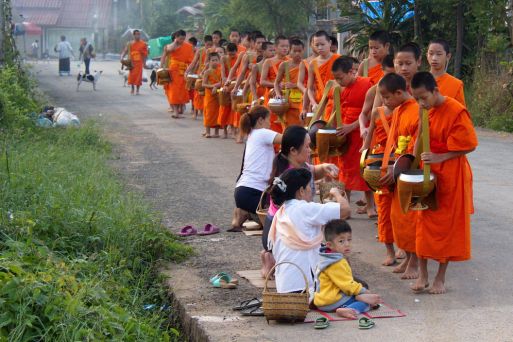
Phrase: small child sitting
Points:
(336, 290)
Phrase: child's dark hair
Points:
(265, 45)
(285, 187)
(412, 48)
(293, 137)
(388, 62)
(249, 120)
(380, 36)
(208, 38)
(443, 43)
(213, 55)
(334, 228)
(344, 64)
(423, 79)
(193, 41)
(231, 47)
(392, 82)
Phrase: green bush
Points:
(79, 256)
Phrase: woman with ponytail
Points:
(257, 163)
(295, 153)
(296, 230)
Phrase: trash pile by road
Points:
(56, 117)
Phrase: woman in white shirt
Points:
(296, 230)
(256, 165)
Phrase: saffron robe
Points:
(452, 87)
(138, 53)
(211, 104)
(322, 74)
(178, 60)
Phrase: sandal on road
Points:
(187, 231)
(365, 323)
(255, 312)
(248, 304)
(224, 274)
(209, 230)
(321, 323)
(223, 282)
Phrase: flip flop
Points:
(256, 312)
(248, 304)
(321, 323)
(224, 274)
(365, 323)
(235, 230)
(223, 282)
(209, 230)
(187, 231)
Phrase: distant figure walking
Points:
(86, 53)
(65, 52)
(35, 48)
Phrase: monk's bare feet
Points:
(389, 261)
(361, 210)
(438, 287)
(371, 212)
(420, 285)
(346, 313)
(400, 254)
(401, 268)
(410, 273)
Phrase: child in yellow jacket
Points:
(336, 290)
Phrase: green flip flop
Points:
(321, 323)
(226, 275)
(365, 323)
(223, 282)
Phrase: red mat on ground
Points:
(384, 311)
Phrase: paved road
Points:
(190, 180)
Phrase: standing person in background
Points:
(86, 53)
(65, 52)
(35, 48)
(137, 51)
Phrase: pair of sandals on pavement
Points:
(250, 307)
(364, 323)
(224, 281)
(209, 229)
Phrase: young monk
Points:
(334, 44)
(217, 36)
(194, 42)
(444, 234)
(401, 140)
(257, 91)
(198, 66)
(319, 70)
(178, 55)
(438, 56)
(225, 111)
(286, 82)
(234, 38)
(212, 82)
(302, 80)
(269, 73)
(352, 98)
(379, 46)
(138, 52)
(247, 60)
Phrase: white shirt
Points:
(258, 160)
(308, 218)
(64, 49)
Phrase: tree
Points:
(458, 56)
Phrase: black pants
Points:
(64, 65)
(87, 62)
(247, 198)
(265, 233)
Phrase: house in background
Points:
(194, 18)
(73, 18)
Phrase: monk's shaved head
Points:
(380, 36)
(425, 80)
(412, 48)
(443, 43)
(344, 64)
(392, 83)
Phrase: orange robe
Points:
(177, 64)
(406, 121)
(225, 117)
(241, 48)
(376, 73)
(444, 234)
(452, 87)
(211, 104)
(295, 100)
(138, 54)
(352, 99)
(252, 61)
(383, 200)
(271, 77)
(199, 99)
(322, 74)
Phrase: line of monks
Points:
(381, 100)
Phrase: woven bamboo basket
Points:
(163, 76)
(224, 97)
(325, 187)
(127, 63)
(199, 87)
(262, 208)
(288, 307)
(372, 175)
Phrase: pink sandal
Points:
(187, 231)
(209, 230)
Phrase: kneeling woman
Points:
(257, 163)
(296, 230)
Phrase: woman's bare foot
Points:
(400, 254)
(267, 264)
(438, 287)
(346, 313)
(401, 268)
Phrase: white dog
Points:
(123, 74)
(89, 78)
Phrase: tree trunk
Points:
(459, 39)
(416, 23)
(511, 21)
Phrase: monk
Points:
(212, 82)
(401, 140)
(352, 98)
(334, 44)
(269, 73)
(194, 42)
(177, 56)
(137, 51)
(319, 70)
(379, 47)
(257, 91)
(217, 36)
(302, 81)
(444, 234)
(438, 56)
(286, 82)
(246, 60)
(225, 111)
(234, 38)
(197, 67)
(387, 66)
